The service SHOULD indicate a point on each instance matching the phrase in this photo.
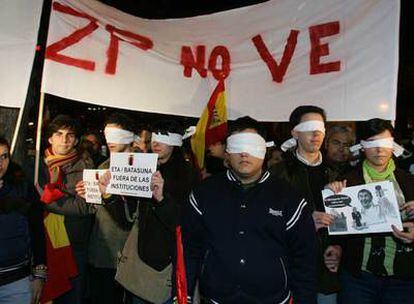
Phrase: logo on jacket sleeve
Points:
(275, 212)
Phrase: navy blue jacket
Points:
(22, 240)
(250, 245)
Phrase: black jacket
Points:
(353, 246)
(157, 220)
(310, 181)
(255, 245)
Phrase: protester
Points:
(338, 140)
(274, 156)
(248, 237)
(170, 185)
(68, 223)
(406, 161)
(143, 141)
(214, 159)
(92, 143)
(379, 268)
(113, 220)
(305, 170)
(22, 239)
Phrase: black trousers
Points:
(103, 287)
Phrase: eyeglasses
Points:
(4, 156)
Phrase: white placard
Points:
(91, 180)
(368, 208)
(131, 173)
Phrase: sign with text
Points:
(131, 173)
(369, 208)
(91, 180)
(273, 57)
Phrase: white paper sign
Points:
(91, 180)
(369, 208)
(131, 173)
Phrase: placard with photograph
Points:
(91, 181)
(368, 208)
(131, 173)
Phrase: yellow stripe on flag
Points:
(56, 230)
(209, 127)
(199, 138)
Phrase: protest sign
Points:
(273, 57)
(368, 208)
(131, 173)
(91, 180)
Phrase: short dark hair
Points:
(167, 125)
(122, 120)
(334, 129)
(4, 142)
(246, 122)
(365, 191)
(296, 115)
(374, 127)
(63, 122)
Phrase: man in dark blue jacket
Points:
(22, 237)
(248, 237)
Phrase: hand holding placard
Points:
(89, 188)
(157, 186)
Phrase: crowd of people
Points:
(253, 222)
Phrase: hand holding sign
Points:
(337, 186)
(89, 188)
(157, 186)
(322, 219)
(104, 181)
(408, 236)
(80, 189)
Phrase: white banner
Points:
(340, 55)
(19, 25)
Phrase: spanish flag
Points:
(212, 126)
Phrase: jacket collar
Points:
(231, 177)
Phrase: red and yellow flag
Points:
(212, 126)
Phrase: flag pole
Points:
(16, 130)
(38, 137)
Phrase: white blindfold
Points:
(250, 143)
(379, 143)
(306, 126)
(119, 136)
(170, 139)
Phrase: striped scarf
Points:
(60, 260)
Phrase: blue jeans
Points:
(327, 299)
(371, 289)
(16, 292)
